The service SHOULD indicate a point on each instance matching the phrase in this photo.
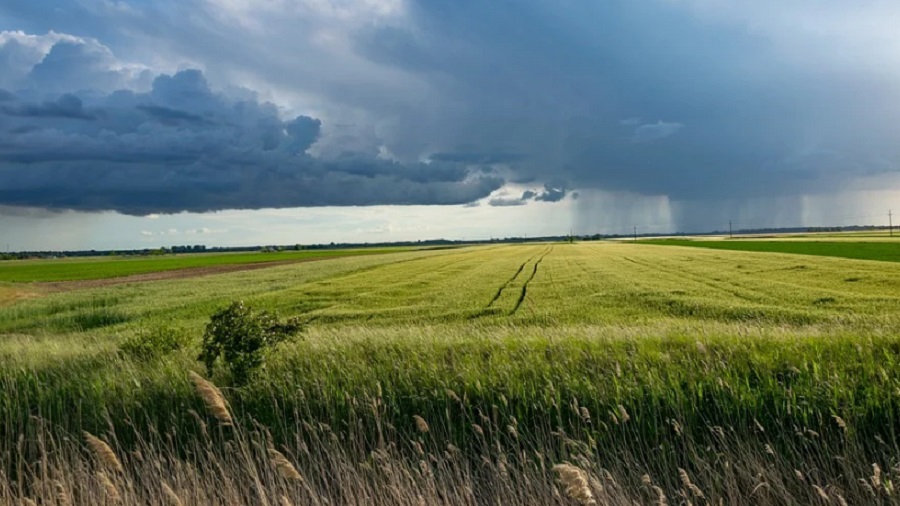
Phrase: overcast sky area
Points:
(147, 123)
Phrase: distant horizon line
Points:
(201, 248)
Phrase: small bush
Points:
(241, 338)
(154, 344)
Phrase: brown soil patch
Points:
(9, 295)
(193, 272)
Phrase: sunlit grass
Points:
(623, 360)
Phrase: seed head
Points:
(62, 496)
(213, 398)
(111, 491)
(104, 453)
(688, 484)
(660, 496)
(876, 476)
(576, 483)
(283, 465)
(171, 496)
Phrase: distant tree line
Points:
(431, 243)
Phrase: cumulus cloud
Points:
(58, 63)
(180, 146)
(550, 193)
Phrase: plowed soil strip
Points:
(192, 272)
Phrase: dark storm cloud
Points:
(551, 194)
(477, 158)
(695, 100)
(65, 107)
(505, 202)
(658, 98)
(167, 115)
(182, 147)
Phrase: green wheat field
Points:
(543, 374)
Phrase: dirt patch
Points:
(193, 272)
(9, 295)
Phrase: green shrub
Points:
(155, 343)
(241, 338)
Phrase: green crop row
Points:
(73, 269)
(882, 251)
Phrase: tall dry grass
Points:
(235, 460)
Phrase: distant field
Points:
(859, 250)
(463, 376)
(72, 269)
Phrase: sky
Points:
(140, 124)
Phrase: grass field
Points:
(883, 251)
(72, 269)
(656, 375)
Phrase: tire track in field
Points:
(524, 292)
(487, 309)
(509, 282)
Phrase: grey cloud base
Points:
(181, 147)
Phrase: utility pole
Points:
(730, 233)
(890, 223)
(635, 234)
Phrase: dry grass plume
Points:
(213, 398)
(104, 452)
